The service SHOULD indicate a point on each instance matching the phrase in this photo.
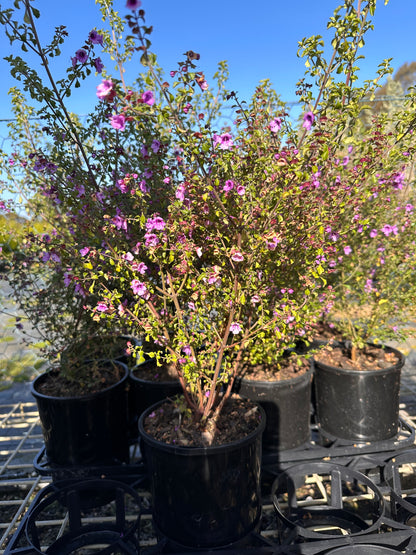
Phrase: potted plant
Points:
(372, 276)
(373, 283)
(231, 272)
(75, 397)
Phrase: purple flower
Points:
(140, 267)
(229, 184)
(388, 229)
(99, 66)
(139, 288)
(308, 120)
(84, 251)
(398, 181)
(102, 307)
(95, 37)
(81, 55)
(373, 233)
(67, 279)
(347, 250)
(155, 146)
(118, 121)
(148, 98)
(120, 222)
(272, 243)
(409, 207)
(128, 257)
(155, 223)
(151, 240)
(235, 328)
(275, 125)
(187, 350)
(133, 4)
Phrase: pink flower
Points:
(148, 98)
(241, 190)
(237, 256)
(388, 229)
(235, 328)
(84, 251)
(180, 192)
(255, 299)
(120, 222)
(118, 121)
(275, 125)
(347, 250)
(224, 141)
(127, 256)
(272, 243)
(151, 240)
(308, 120)
(139, 288)
(102, 307)
(140, 267)
(229, 184)
(105, 89)
(155, 223)
(373, 233)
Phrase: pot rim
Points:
(145, 381)
(51, 369)
(303, 377)
(198, 451)
(397, 366)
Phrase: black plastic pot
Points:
(204, 497)
(362, 549)
(144, 393)
(287, 407)
(358, 405)
(88, 430)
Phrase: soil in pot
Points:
(358, 400)
(284, 392)
(204, 496)
(85, 423)
(149, 383)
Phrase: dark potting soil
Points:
(286, 369)
(91, 380)
(237, 420)
(151, 372)
(368, 358)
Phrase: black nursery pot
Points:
(144, 393)
(204, 497)
(89, 430)
(287, 407)
(358, 405)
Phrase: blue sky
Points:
(258, 39)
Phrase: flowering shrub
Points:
(216, 245)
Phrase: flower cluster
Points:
(221, 246)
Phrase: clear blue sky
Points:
(258, 39)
